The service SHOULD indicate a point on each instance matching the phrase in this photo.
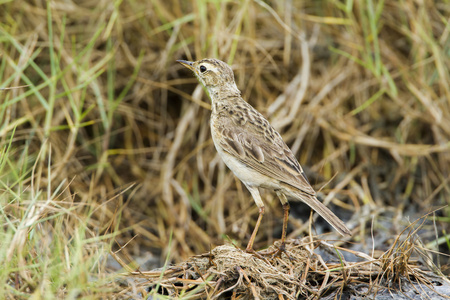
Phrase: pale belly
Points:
(245, 174)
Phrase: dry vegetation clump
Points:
(300, 273)
(105, 144)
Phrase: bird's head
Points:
(214, 74)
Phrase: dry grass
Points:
(301, 272)
(92, 101)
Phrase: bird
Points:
(252, 149)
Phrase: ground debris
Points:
(227, 272)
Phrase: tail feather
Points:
(321, 209)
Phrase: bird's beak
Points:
(187, 64)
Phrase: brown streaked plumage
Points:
(252, 148)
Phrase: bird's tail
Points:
(321, 209)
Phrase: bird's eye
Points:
(202, 69)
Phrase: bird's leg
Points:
(257, 197)
(286, 208)
(252, 238)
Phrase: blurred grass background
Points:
(105, 143)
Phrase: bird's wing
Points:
(254, 142)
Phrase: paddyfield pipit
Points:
(253, 149)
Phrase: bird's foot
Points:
(281, 250)
(258, 254)
(277, 252)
